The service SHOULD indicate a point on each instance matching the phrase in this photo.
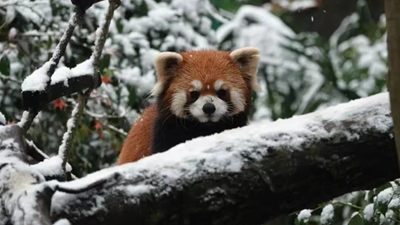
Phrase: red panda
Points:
(198, 93)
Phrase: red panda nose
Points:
(208, 108)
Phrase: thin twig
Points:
(4, 77)
(113, 128)
(68, 136)
(213, 12)
(103, 116)
(35, 152)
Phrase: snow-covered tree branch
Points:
(243, 176)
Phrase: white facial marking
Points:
(218, 84)
(158, 88)
(197, 85)
(208, 87)
(178, 103)
(238, 101)
(196, 109)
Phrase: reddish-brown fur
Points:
(138, 143)
(205, 66)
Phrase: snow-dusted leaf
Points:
(4, 65)
(327, 215)
(303, 217)
(2, 119)
(382, 200)
(368, 213)
(356, 220)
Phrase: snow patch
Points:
(37, 81)
(327, 214)
(62, 74)
(51, 167)
(304, 215)
(385, 196)
(2, 119)
(369, 212)
(62, 222)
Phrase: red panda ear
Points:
(166, 64)
(248, 58)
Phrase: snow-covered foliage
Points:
(281, 72)
(138, 31)
(304, 215)
(2, 119)
(300, 73)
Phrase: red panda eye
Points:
(221, 93)
(194, 95)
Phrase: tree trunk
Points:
(392, 9)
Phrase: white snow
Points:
(385, 196)
(394, 203)
(51, 166)
(143, 83)
(2, 119)
(297, 5)
(62, 222)
(304, 215)
(37, 81)
(369, 212)
(327, 214)
(24, 118)
(224, 152)
(62, 74)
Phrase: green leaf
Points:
(356, 220)
(5, 65)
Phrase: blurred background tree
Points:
(314, 53)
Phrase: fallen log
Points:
(247, 175)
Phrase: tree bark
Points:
(392, 10)
(280, 172)
(243, 176)
(22, 201)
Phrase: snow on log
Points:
(244, 176)
(23, 200)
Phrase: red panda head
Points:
(206, 85)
